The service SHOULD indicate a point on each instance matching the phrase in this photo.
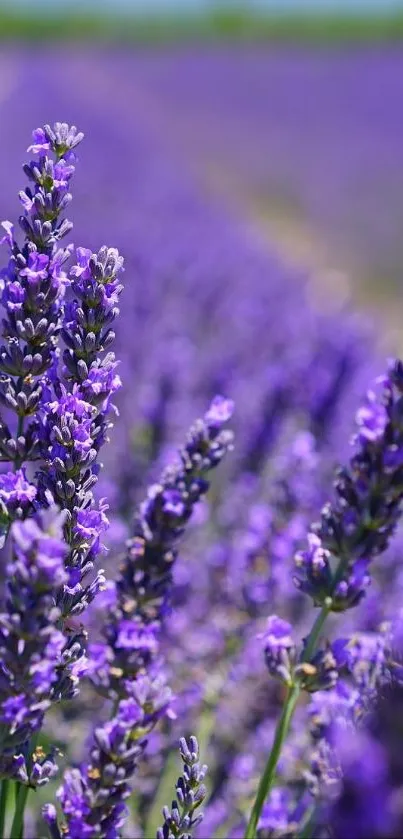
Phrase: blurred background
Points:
(289, 111)
(247, 160)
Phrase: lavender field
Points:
(310, 138)
(246, 591)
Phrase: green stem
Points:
(308, 827)
(283, 725)
(17, 827)
(5, 786)
(314, 634)
(266, 781)
(21, 794)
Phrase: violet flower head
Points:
(50, 175)
(163, 516)
(76, 417)
(283, 662)
(279, 649)
(183, 817)
(31, 644)
(92, 798)
(32, 290)
(365, 658)
(357, 526)
(145, 579)
(56, 409)
(344, 711)
(17, 496)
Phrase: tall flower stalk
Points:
(56, 408)
(185, 814)
(33, 289)
(335, 569)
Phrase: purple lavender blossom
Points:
(359, 523)
(92, 798)
(17, 495)
(31, 643)
(188, 293)
(279, 648)
(67, 405)
(282, 815)
(15, 490)
(76, 409)
(128, 669)
(33, 288)
(145, 579)
(52, 555)
(320, 673)
(190, 794)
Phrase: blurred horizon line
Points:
(230, 20)
(205, 6)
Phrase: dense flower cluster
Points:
(56, 413)
(31, 644)
(76, 406)
(353, 530)
(359, 524)
(127, 667)
(173, 634)
(33, 288)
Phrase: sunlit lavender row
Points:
(312, 135)
(201, 489)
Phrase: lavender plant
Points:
(185, 622)
(55, 412)
(335, 569)
(190, 794)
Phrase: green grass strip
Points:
(233, 25)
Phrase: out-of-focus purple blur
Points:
(256, 193)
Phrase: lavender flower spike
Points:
(76, 404)
(145, 579)
(33, 287)
(190, 794)
(354, 529)
(76, 408)
(31, 644)
(146, 573)
(357, 526)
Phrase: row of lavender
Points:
(313, 133)
(205, 311)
